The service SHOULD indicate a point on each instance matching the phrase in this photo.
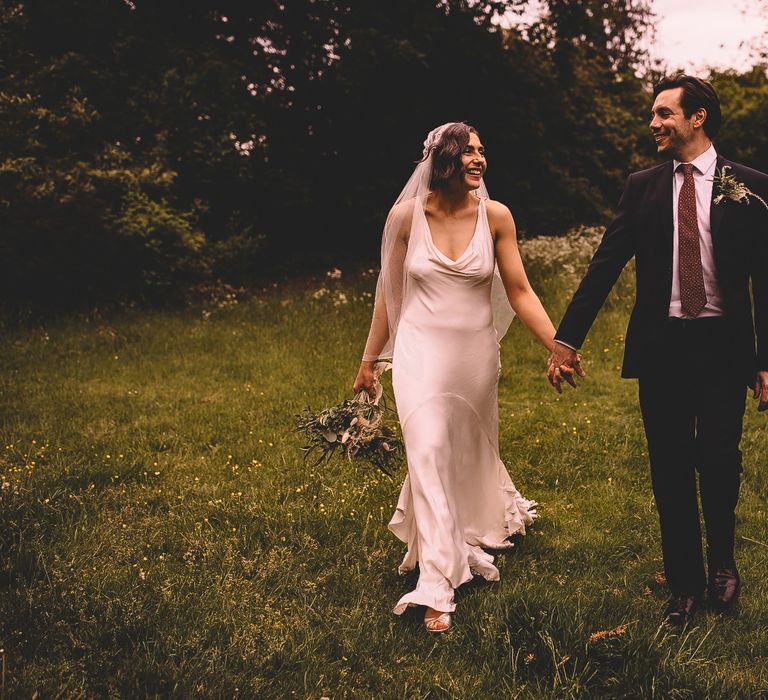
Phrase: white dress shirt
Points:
(703, 172)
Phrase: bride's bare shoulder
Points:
(403, 208)
(401, 215)
(500, 217)
(497, 211)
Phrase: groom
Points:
(695, 337)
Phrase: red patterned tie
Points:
(693, 297)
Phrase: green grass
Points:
(160, 535)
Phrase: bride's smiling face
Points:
(473, 162)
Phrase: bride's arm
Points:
(378, 335)
(390, 283)
(377, 339)
(521, 296)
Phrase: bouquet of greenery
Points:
(355, 427)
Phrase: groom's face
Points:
(671, 129)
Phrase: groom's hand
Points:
(563, 363)
(761, 390)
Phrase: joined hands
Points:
(562, 364)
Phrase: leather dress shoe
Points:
(680, 610)
(724, 588)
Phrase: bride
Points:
(450, 271)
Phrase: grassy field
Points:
(160, 535)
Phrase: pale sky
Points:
(692, 34)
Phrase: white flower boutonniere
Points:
(729, 187)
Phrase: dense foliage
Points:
(145, 146)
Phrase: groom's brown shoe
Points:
(724, 588)
(680, 610)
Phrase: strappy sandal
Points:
(437, 623)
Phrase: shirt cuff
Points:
(568, 345)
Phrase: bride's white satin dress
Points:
(458, 496)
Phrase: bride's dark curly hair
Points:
(446, 162)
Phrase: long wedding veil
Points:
(391, 285)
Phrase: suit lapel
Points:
(716, 212)
(662, 201)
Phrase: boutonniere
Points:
(729, 187)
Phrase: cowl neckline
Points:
(471, 248)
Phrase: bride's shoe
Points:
(437, 621)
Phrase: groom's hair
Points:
(446, 162)
(697, 94)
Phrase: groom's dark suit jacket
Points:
(643, 227)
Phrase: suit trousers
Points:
(692, 401)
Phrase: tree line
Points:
(149, 146)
